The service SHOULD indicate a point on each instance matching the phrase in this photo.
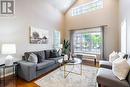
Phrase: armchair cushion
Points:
(105, 64)
(107, 78)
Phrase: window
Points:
(87, 41)
(67, 3)
(88, 7)
(56, 39)
(124, 36)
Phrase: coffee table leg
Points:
(60, 66)
(64, 71)
(4, 75)
(81, 67)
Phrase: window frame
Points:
(80, 44)
(87, 7)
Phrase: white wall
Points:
(125, 14)
(106, 16)
(37, 13)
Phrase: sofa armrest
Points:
(105, 64)
(26, 70)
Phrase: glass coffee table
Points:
(73, 62)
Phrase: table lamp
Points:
(8, 49)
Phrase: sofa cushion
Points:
(56, 59)
(107, 78)
(40, 55)
(105, 64)
(45, 64)
(47, 53)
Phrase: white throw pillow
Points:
(120, 68)
(121, 54)
(33, 58)
(113, 56)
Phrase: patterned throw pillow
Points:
(113, 56)
(120, 68)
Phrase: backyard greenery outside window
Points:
(87, 7)
(88, 41)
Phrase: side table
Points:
(14, 67)
(1, 67)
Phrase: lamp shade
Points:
(8, 49)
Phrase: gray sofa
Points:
(29, 71)
(106, 78)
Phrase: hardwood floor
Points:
(12, 81)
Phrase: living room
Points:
(64, 43)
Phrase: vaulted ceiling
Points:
(62, 5)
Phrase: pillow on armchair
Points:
(120, 68)
(113, 56)
(123, 55)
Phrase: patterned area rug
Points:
(56, 78)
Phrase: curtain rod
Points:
(89, 27)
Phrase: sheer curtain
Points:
(88, 41)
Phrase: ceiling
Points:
(62, 5)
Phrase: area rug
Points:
(56, 78)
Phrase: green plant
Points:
(66, 47)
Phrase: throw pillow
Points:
(47, 54)
(121, 54)
(54, 54)
(41, 56)
(33, 58)
(113, 56)
(120, 68)
(60, 52)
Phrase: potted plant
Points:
(66, 47)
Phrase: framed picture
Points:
(38, 36)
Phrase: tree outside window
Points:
(88, 42)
